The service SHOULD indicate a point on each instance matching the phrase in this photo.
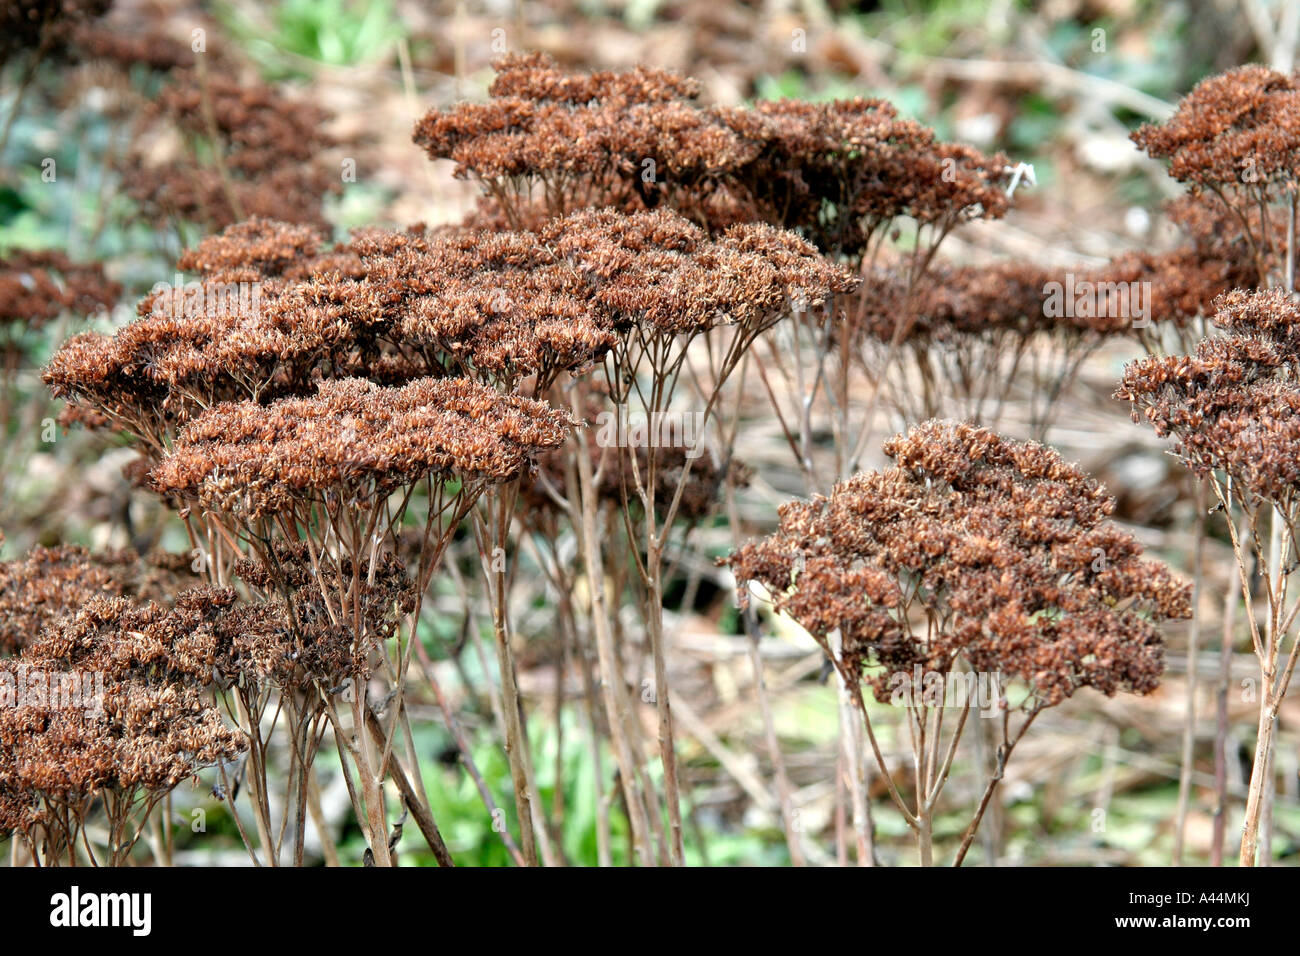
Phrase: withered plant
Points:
(971, 556)
(1233, 140)
(337, 472)
(105, 712)
(51, 583)
(843, 175)
(1231, 408)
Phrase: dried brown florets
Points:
(1232, 404)
(355, 441)
(1239, 127)
(548, 143)
(216, 341)
(136, 39)
(1272, 315)
(302, 636)
(265, 246)
(839, 172)
(535, 76)
(108, 703)
(1002, 546)
(619, 139)
(271, 150)
(956, 303)
(659, 275)
(1184, 283)
(137, 743)
(497, 306)
(38, 286)
(52, 583)
(394, 306)
(1216, 234)
(293, 637)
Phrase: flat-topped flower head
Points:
(1241, 127)
(622, 139)
(659, 275)
(267, 247)
(1005, 547)
(353, 441)
(556, 142)
(838, 172)
(49, 584)
(108, 702)
(1232, 404)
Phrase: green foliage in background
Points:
(331, 32)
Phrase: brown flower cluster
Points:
(568, 142)
(972, 548)
(306, 632)
(498, 306)
(1234, 140)
(549, 142)
(37, 287)
(1232, 404)
(1238, 128)
(839, 172)
(660, 275)
(273, 313)
(956, 302)
(1218, 235)
(106, 705)
(967, 332)
(271, 154)
(1013, 297)
(137, 35)
(355, 442)
(52, 583)
(135, 717)
(291, 637)
(266, 248)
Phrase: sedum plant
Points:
(971, 556)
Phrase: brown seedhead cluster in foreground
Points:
(971, 553)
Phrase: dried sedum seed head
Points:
(548, 143)
(51, 583)
(1239, 128)
(355, 442)
(859, 158)
(1231, 405)
(130, 717)
(1003, 546)
(272, 314)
